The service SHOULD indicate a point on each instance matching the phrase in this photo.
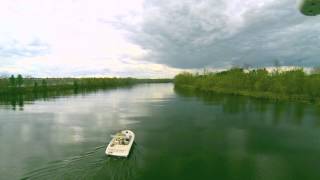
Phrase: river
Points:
(179, 135)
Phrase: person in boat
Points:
(123, 138)
(127, 138)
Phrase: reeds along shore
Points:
(281, 85)
(19, 85)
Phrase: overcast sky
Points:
(152, 38)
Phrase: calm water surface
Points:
(178, 136)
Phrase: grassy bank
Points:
(280, 85)
(17, 88)
(22, 85)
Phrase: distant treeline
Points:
(15, 87)
(282, 85)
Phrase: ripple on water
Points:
(90, 165)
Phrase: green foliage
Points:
(184, 78)
(38, 87)
(35, 87)
(292, 84)
(19, 80)
(12, 80)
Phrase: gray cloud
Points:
(14, 49)
(223, 33)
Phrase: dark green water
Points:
(178, 136)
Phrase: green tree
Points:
(35, 86)
(19, 80)
(44, 85)
(12, 80)
(75, 86)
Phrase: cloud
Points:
(44, 66)
(224, 33)
(72, 38)
(152, 38)
(15, 49)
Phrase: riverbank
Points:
(292, 85)
(15, 90)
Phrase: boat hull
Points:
(120, 150)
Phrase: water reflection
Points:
(60, 128)
(277, 113)
(17, 100)
(179, 135)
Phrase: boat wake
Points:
(90, 165)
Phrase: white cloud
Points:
(152, 38)
(73, 40)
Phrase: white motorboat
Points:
(120, 144)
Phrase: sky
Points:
(152, 38)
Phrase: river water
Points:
(179, 135)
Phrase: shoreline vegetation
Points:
(290, 85)
(16, 89)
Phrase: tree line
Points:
(291, 84)
(20, 85)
